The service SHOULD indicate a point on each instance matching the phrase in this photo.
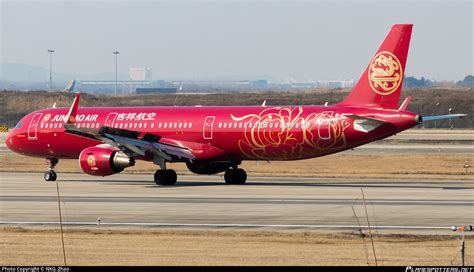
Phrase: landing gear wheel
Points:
(50, 176)
(235, 176)
(165, 177)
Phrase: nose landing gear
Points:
(51, 174)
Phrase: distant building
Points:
(260, 83)
(140, 74)
(156, 90)
(335, 83)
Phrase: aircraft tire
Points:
(235, 176)
(165, 177)
(50, 176)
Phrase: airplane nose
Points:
(9, 140)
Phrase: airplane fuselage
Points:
(230, 133)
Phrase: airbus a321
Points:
(211, 140)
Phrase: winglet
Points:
(71, 116)
(404, 105)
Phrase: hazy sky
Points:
(301, 41)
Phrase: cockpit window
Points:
(19, 124)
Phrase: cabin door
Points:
(109, 122)
(324, 127)
(207, 128)
(33, 127)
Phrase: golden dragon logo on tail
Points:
(385, 73)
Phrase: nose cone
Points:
(14, 140)
(9, 140)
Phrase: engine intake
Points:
(100, 161)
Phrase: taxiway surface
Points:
(205, 201)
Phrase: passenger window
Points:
(126, 125)
(219, 125)
(170, 125)
(190, 125)
(165, 125)
(140, 125)
(60, 125)
(270, 125)
(152, 125)
(121, 125)
(240, 125)
(88, 125)
(297, 125)
(175, 125)
(144, 125)
(98, 125)
(225, 125)
(235, 125)
(41, 126)
(185, 125)
(135, 125)
(159, 125)
(180, 125)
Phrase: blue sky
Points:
(299, 41)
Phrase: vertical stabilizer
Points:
(381, 83)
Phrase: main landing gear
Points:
(165, 177)
(51, 175)
(235, 176)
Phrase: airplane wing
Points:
(128, 141)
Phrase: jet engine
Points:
(100, 161)
(208, 168)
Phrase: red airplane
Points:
(211, 140)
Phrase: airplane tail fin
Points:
(381, 83)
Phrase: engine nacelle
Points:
(100, 161)
(208, 168)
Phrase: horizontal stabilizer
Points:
(438, 117)
(365, 124)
